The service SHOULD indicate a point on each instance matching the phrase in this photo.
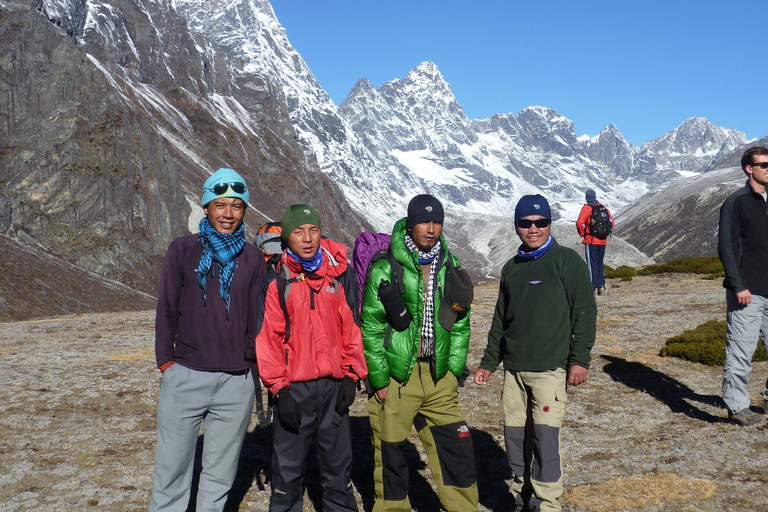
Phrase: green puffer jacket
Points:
(398, 359)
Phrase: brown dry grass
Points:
(644, 433)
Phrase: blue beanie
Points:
(591, 197)
(532, 205)
(224, 175)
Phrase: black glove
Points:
(288, 411)
(346, 395)
(397, 314)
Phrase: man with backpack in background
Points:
(415, 322)
(594, 225)
(742, 244)
(310, 357)
(542, 332)
(206, 311)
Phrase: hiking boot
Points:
(745, 417)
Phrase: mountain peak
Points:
(427, 68)
(426, 74)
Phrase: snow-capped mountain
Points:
(690, 147)
(117, 111)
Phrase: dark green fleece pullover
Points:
(545, 315)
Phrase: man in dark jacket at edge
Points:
(205, 319)
(311, 364)
(742, 245)
(418, 370)
(543, 330)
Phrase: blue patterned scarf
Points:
(536, 253)
(223, 249)
(309, 264)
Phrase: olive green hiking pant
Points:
(534, 408)
(444, 434)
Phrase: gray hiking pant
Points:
(222, 403)
(745, 325)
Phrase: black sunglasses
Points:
(221, 188)
(762, 165)
(527, 223)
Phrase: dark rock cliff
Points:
(111, 121)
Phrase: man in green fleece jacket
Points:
(543, 330)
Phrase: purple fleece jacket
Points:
(197, 334)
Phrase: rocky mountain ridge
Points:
(113, 113)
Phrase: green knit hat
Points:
(297, 215)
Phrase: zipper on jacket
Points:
(286, 358)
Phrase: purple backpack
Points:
(367, 245)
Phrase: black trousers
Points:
(331, 436)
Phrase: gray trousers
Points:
(745, 325)
(222, 403)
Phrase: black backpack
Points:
(600, 225)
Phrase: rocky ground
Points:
(644, 433)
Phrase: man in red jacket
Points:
(310, 357)
(595, 238)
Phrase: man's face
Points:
(304, 241)
(426, 235)
(534, 236)
(225, 214)
(757, 174)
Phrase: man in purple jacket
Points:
(205, 319)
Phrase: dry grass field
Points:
(644, 433)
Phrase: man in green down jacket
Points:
(416, 370)
(543, 330)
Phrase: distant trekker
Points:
(542, 331)
(594, 225)
(742, 245)
(206, 316)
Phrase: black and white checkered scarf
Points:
(428, 324)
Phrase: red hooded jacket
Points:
(325, 341)
(582, 226)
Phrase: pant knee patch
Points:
(394, 474)
(456, 453)
(546, 461)
(419, 422)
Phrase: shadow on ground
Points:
(676, 395)
(256, 457)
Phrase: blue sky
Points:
(645, 66)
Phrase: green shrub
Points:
(709, 265)
(623, 272)
(705, 344)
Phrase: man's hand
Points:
(745, 297)
(576, 375)
(288, 411)
(382, 394)
(482, 376)
(346, 395)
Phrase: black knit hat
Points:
(424, 208)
